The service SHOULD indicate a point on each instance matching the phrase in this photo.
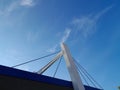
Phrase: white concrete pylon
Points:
(75, 77)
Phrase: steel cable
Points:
(34, 59)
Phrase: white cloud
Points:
(83, 26)
(32, 36)
(63, 39)
(66, 35)
(86, 25)
(53, 49)
(97, 16)
(17, 4)
(11, 7)
(27, 2)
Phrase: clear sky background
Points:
(91, 28)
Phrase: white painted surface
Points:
(76, 80)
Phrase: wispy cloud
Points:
(32, 36)
(83, 26)
(63, 39)
(66, 35)
(11, 7)
(27, 2)
(53, 49)
(86, 25)
(17, 5)
(100, 14)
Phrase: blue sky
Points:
(91, 29)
